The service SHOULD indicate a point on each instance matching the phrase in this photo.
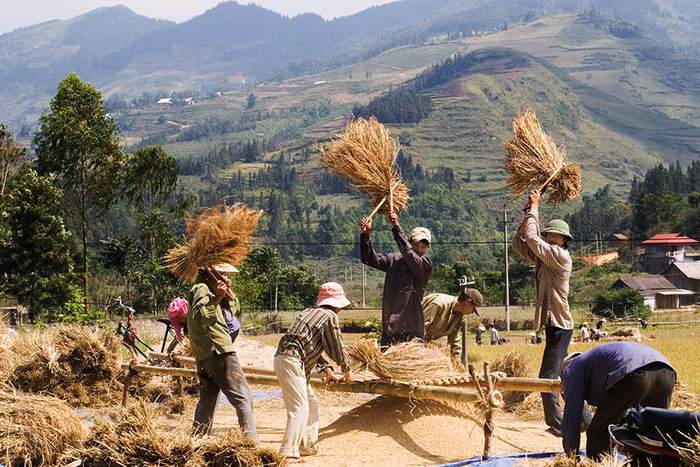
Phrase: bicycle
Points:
(131, 339)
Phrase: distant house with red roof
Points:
(661, 250)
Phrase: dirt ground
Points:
(358, 429)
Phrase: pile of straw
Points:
(75, 363)
(684, 399)
(530, 408)
(218, 235)
(513, 364)
(365, 155)
(630, 332)
(690, 453)
(134, 440)
(532, 157)
(405, 362)
(35, 430)
(232, 449)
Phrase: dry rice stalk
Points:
(690, 454)
(75, 363)
(406, 362)
(35, 430)
(626, 331)
(232, 449)
(608, 460)
(365, 155)
(683, 399)
(218, 235)
(532, 157)
(530, 408)
(132, 440)
(513, 364)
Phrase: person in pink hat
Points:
(300, 350)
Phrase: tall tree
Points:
(36, 265)
(11, 156)
(78, 145)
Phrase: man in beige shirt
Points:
(445, 314)
(552, 270)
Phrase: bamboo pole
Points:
(505, 384)
(371, 387)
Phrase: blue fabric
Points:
(256, 396)
(503, 460)
(510, 459)
(231, 322)
(591, 374)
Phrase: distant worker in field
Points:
(218, 367)
(407, 274)
(584, 334)
(600, 323)
(612, 377)
(445, 316)
(301, 350)
(552, 271)
(479, 331)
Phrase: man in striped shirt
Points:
(301, 349)
(552, 271)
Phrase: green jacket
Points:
(441, 320)
(206, 324)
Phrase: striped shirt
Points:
(315, 331)
(552, 271)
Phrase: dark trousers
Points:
(649, 386)
(556, 345)
(386, 341)
(223, 373)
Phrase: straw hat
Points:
(332, 294)
(225, 268)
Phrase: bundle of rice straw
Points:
(75, 363)
(35, 430)
(405, 362)
(232, 448)
(513, 364)
(218, 235)
(532, 158)
(690, 454)
(365, 155)
(627, 331)
(134, 440)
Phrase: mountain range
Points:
(616, 82)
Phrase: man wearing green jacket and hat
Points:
(552, 270)
(218, 367)
(444, 315)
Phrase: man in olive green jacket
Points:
(445, 314)
(217, 365)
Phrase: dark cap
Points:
(475, 296)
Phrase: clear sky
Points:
(20, 13)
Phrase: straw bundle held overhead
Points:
(532, 158)
(35, 430)
(218, 235)
(365, 155)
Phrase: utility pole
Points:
(276, 287)
(505, 250)
(364, 283)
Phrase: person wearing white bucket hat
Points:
(407, 274)
(315, 331)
